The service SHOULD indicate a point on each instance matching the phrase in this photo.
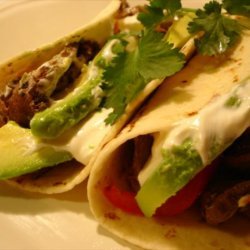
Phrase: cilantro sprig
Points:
(154, 58)
(220, 31)
(237, 7)
(130, 71)
(157, 11)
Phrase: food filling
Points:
(82, 91)
(170, 167)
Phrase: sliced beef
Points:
(22, 105)
(221, 202)
(65, 81)
(138, 152)
(87, 50)
(34, 91)
(230, 191)
(31, 93)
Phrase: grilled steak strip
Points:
(221, 203)
(230, 191)
(34, 91)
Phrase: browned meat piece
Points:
(230, 192)
(222, 202)
(139, 152)
(69, 77)
(126, 10)
(34, 90)
(237, 156)
(30, 94)
(22, 105)
(87, 50)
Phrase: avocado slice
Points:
(67, 112)
(88, 96)
(178, 32)
(178, 166)
(180, 162)
(21, 153)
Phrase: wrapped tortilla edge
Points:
(180, 96)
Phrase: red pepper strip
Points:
(186, 197)
(122, 199)
(175, 205)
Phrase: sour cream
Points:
(107, 53)
(83, 144)
(213, 129)
(82, 140)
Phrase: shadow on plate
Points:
(14, 201)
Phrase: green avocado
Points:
(64, 114)
(21, 153)
(88, 96)
(178, 32)
(178, 167)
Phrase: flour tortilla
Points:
(62, 178)
(177, 98)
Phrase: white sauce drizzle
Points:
(107, 53)
(85, 141)
(81, 141)
(214, 128)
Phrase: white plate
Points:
(28, 24)
(31, 221)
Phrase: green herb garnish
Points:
(237, 7)
(130, 71)
(158, 11)
(233, 101)
(220, 31)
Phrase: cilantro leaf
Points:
(151, 17)
(130, 71)
(157, 58)
(220, 32)
(237, 7)
(155, 11)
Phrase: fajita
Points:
(60, 104)
(144, 184)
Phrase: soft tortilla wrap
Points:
(62, 178)
(180, 96)
(99, 29)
